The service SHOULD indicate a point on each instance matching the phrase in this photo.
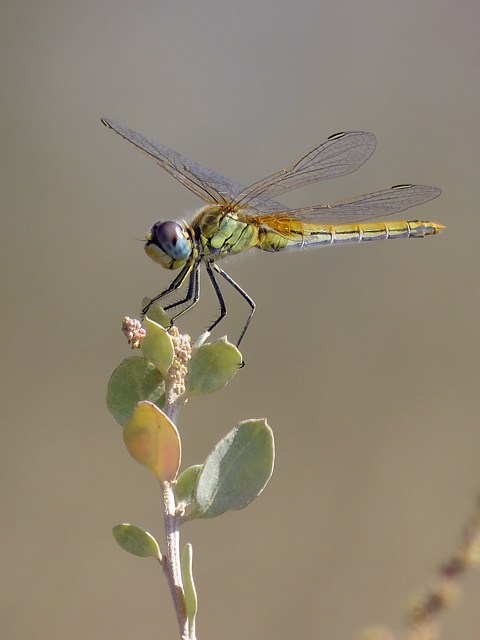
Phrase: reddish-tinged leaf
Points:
(153, 440)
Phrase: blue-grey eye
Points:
(171, 238)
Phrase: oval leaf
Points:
(185, 486)
(157, 314)
(153, 440)
(191, 601)
(237, 469)
(157, 346)
(212, 366)
(134, 379)
(136, 541)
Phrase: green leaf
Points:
(191, 601)
(152, 439)
(185, 486)
(212, 366)
(237, 469)
(157, 346)
(136, 541)
(157, 314)
(200, 341)
(133, 380)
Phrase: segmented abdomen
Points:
(312, 235)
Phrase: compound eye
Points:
(171, 238)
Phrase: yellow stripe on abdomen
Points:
(314, 235)
(370, 231)
(383, 230)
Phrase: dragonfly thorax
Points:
(169, 244)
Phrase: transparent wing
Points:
(205, 183)
(340, 154)
(367, 207)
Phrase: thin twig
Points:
(172, 567)
(174, 390)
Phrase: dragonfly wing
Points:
(205, 183)
(371, 206)
(339, 155)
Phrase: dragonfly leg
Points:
(223, 309)
(193, 294)
(174, 286)
(221, 301)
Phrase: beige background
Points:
(365, 359)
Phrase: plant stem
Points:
(172, 566)
(172, 563)
(174, 390)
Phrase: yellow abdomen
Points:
(306, 235)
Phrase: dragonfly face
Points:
(169, 244)
(237, 218)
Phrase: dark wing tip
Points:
(433, 192)
(106, 123)
(334, 136)
(342, 134)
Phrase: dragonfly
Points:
(237, 218)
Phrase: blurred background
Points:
(364, 358)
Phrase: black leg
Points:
(188, 269)
(223, 309)
(193, 294)
(221, 301)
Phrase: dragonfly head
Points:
(169, 244)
